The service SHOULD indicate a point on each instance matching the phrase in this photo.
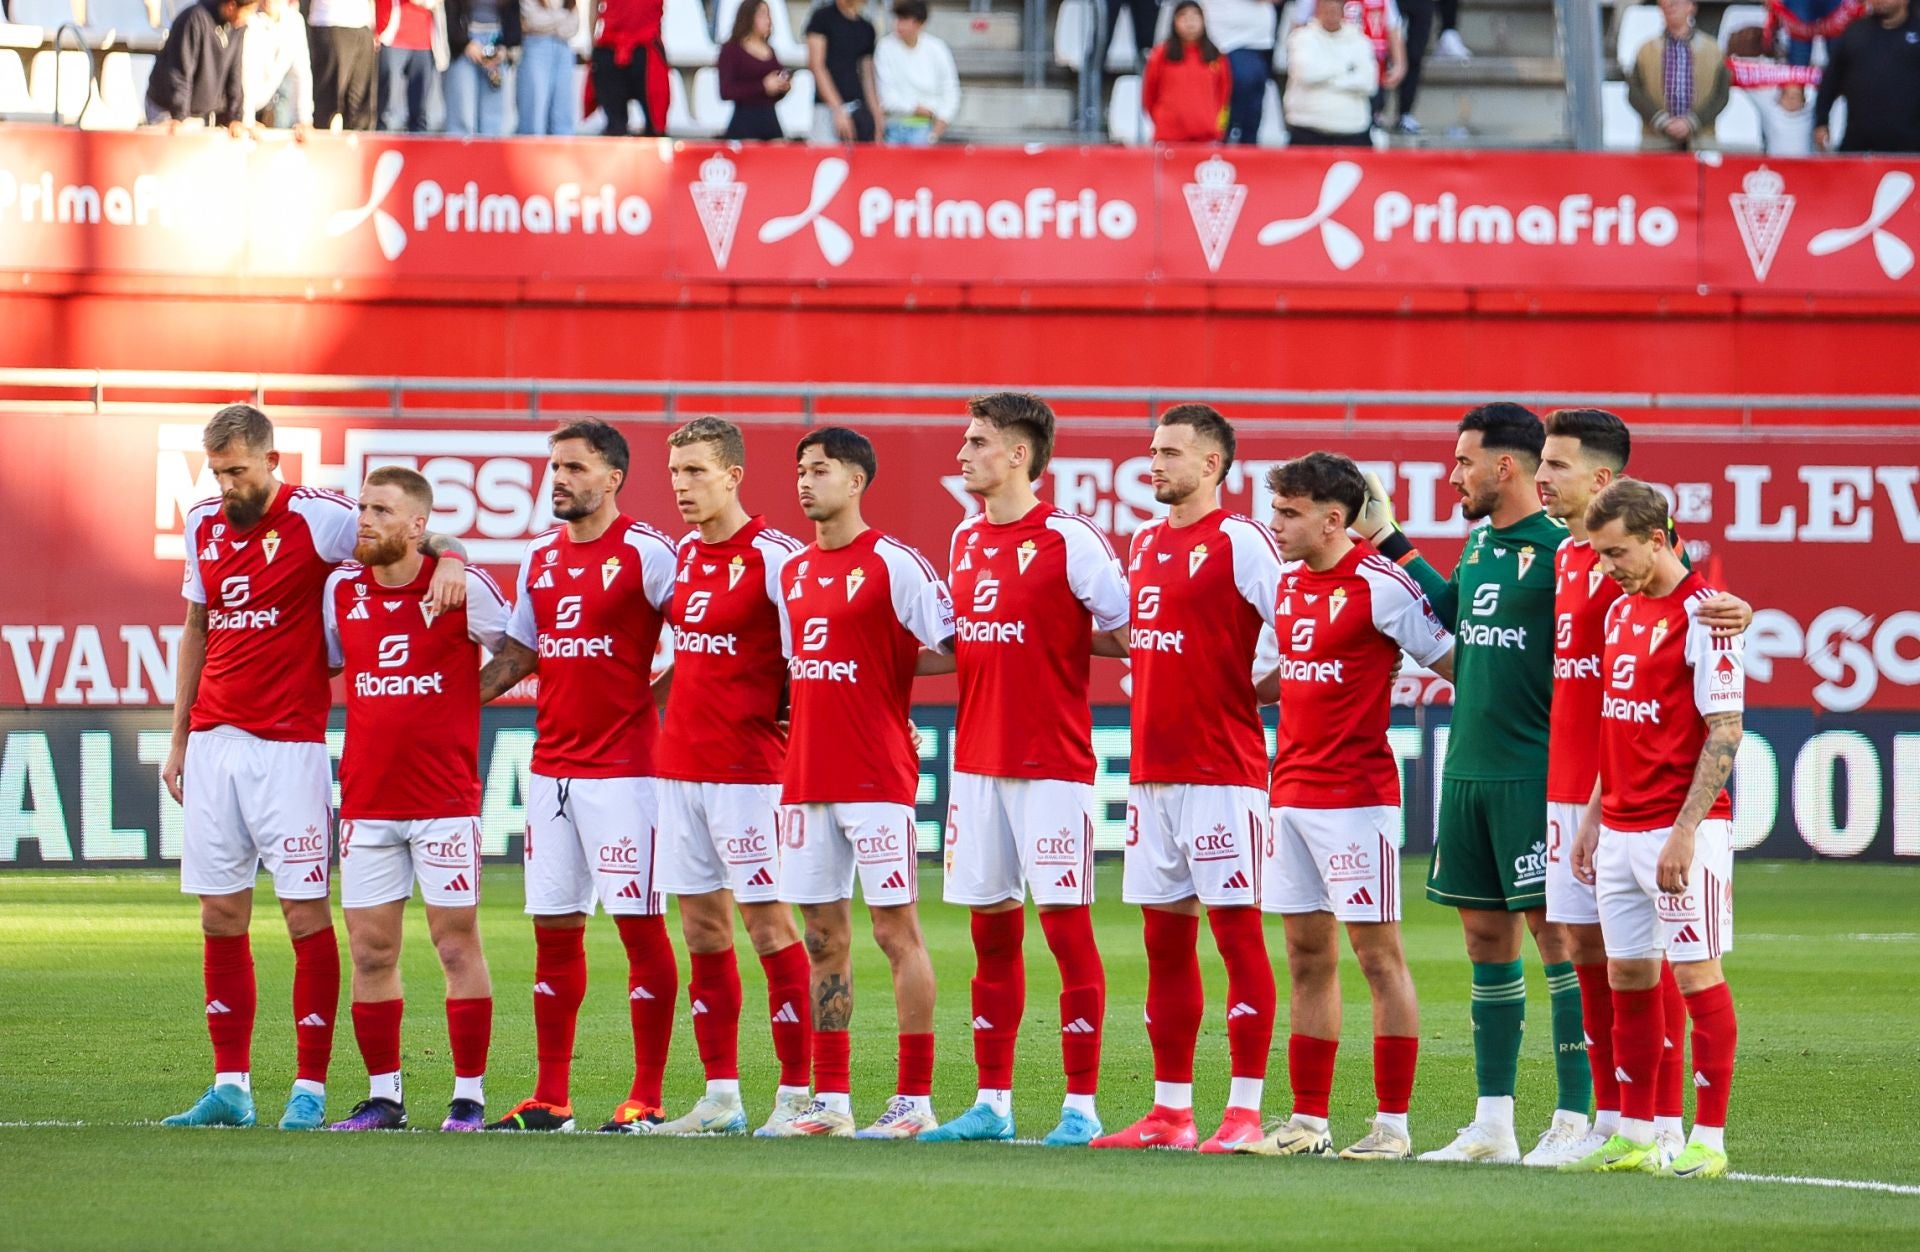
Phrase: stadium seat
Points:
(118, 105)
(710, 112)
(122, 17)
(47, 13)
(683, 33)
(1127, 122)
(75, 71)
(14, 97)
(680, 120)
(1619, 124)
(1738, 127)
(1273, 121)
(788, 46)
(1738, 17)
(1638, 23)
(1836, 122)
(796, 107)
(1073, 27)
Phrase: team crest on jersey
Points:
(1526, 561)
(856, 576)
(1196, 558)
(1659, 633)
(426, 612)
(1025, 554)
(1593, 581)
(1336, 602)
(735, 569)
(543, 582)
(609, 570)
(271, 544)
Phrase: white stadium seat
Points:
(1638, 23)
(14, 97)
(1127, 122)
(1273, 121)
(796, 107)
(47, 13)
(122, 17)
(1737, 129)
(119, 104)
(75, 71)
(1619, 124)
(1073, 27)
(680, 119)
(1738, 17)
(683, 33)
(710, 112)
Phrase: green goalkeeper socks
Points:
(1571, 1071)
(1499, 1019)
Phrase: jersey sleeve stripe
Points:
(1266, 536)
(1381, 565)
(925, 566)
(1063, 516)
(487, 581)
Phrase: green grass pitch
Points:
(100, 1026)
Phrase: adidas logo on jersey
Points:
(981, 1023)
(1237, 882)
(1687, 935)
(1067, 880)
(544, 582)
(1078, 1026)
(1362, 896)
(312, 1019)
(639, 993)
(786, 1014)
(896, 881)
(631, 891)
(1242, 1009)
(358, 613)
(459, 883)
(317, 874)
(761, 878)
(214, 1006)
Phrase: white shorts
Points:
(250, 802)
(1568, 899)
(1639, 921)
(591, 839)
(1193, 839)
(381, 859)
(1338, 861)
(1004, 834)
(720, 836)
(822, 847)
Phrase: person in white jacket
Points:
(1331, 78)
(276, 70)
(919, 86)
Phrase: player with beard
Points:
(410, 789)
(248, 762)
(592, 598)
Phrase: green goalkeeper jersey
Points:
(1499, 605)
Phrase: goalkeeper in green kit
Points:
(1490, 851)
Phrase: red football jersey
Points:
(1340, 632)
(1027, 597)
(730, 669)
(1201, 594)
(413, 693)
(859, 616)
(1581, 597)
(1665, 672)
(593, 612)
(266, 668)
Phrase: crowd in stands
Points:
(1352, 69)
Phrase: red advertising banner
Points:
(368, 206)
(1821, 538)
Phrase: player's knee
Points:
(1311, 962)
(460, 952)
(826, 945)
(897, 932)
(1381, 963)
(374, 953)
(770, 933)
(1694, 977)
(706, 933)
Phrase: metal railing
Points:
(45, 391)
(59, 66)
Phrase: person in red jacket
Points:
(1187, 82)
(629, 64)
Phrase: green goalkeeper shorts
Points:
(1490, 848)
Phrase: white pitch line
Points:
(35, 1125)
(1844, 1184)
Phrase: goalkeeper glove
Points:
(1376, 525)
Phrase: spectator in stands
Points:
(197, 76)
(1875, 67)
(276, 71)
(412, 39)
(840, 47)
(1244, 30)
(751, 75)
(1332, 75)
(919, 86)
(1381, 22)
(1404, 29)
(1803, 21)
(340, 38)
(544, 89)
(1451, 47)
(630, 64)
(1146, 18)
(1778, 92)
(1678, 84)
(484, 39)
(1187, 84)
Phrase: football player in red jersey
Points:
(862, 606)
(410, 789)
(1657, 842)
(1036, 591)
(249, 758)
(1203, 584)
(591, 602)
(1333, 846)
(721, 750)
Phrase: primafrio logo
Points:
(1891, 251)
(835, 244)
(1343, 247)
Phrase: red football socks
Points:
(1083, 995)
(915, 1076)
(999, 995)
(789, 1012)
(1596, 1018)
(1670, 1083)
(1310, 1070)
(1251, 998)
(1637, 1042)
(1716, 1034)
(1175, 996)
(1394, 1058)
(376, 1028)
(713, 992)
(316, 1002)
(232, 998)
(469, 1033)
(832, 1062)
(653, 984)
(559, 984)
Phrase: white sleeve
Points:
(1719, 668)
(1395, 19)
(658, 564)
(1093, 572)
(192, 587)
(329, 619)
(332, 519)
(1402, 613)
(920, 599)
(1266, 652)
(487, 610)
(1256, 565)
(775, 557)
(520, 624)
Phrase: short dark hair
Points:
(914, 9)
(730, 444)
(602, 438)
(238, 423)
(1324, 478)
(1601, 435)
(412, 484)
(837, 443)
(1635, 505)
(1022, 417)
(1208, 423)
(1507, 427)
